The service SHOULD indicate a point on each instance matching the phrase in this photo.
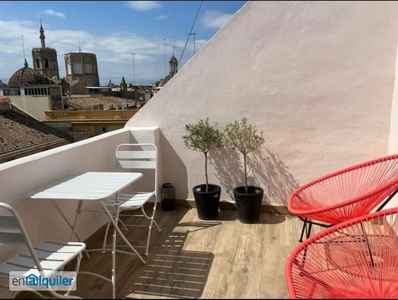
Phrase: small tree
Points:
(203, 136)
(243, 137)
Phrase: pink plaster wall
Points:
(316, 77)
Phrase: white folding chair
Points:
(44, 258)
(136, 157)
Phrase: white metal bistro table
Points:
(97, 187)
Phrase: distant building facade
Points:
(173, 69)
(81, 72)
(45, 59)
(32, 92)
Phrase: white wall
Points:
(316, 77)
(33, 105)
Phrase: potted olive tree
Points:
(242, 136)
(203, 136)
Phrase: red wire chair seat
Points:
(353, 259)
(347, 193)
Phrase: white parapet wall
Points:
(22, 176)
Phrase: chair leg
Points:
(151, 218)
(152, 221)
(124, 226)
(105, 236)
(305, 229)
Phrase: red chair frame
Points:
(354, 259)
(345, 194)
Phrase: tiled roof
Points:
(87, 103)
(27, 76)
(21, 134)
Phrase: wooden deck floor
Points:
(192, 258)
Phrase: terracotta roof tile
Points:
(21, 133)
(88, 103)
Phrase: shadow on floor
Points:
(173, 272)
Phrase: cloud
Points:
(213, 19)
(162, 17)
(52, 12)
(143, 5)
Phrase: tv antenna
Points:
(194, 41)
(133, 68)
(190, 32)
(23, 48)
(165, 60)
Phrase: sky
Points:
(134, 39)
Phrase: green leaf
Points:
(202, 136)
(242, 136)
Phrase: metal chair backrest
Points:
(136, 156)
(13, 232)
(139, 156)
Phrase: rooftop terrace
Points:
(192, 258)
(319, 78)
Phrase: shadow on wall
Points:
(270, 172)
(228, 169)
(173, 169)
(264, 169)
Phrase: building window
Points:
(46, 63)
(38, 63)
(101, 129)
(12, 92)
(36, 91)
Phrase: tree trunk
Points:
(244, 163)
(207, 180)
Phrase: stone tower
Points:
(81, 71)
(173, 65)
(45, 59)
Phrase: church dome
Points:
(165, 80)
(27, 76)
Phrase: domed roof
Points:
(165, 80)
(27, 76)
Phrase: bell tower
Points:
(45, 59)
(173, 65)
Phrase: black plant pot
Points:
(207, 202)
(248, 205)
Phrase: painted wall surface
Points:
(316, 77)
(33, 105)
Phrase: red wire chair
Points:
(345, 194)
(353, 259)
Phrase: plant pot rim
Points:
(260, 189)
(204, 184)
(213, 188)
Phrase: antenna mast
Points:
(133, 68)
(80, 49)
(190, 32)
(165, 61)
(23, 49)
(194, 41)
